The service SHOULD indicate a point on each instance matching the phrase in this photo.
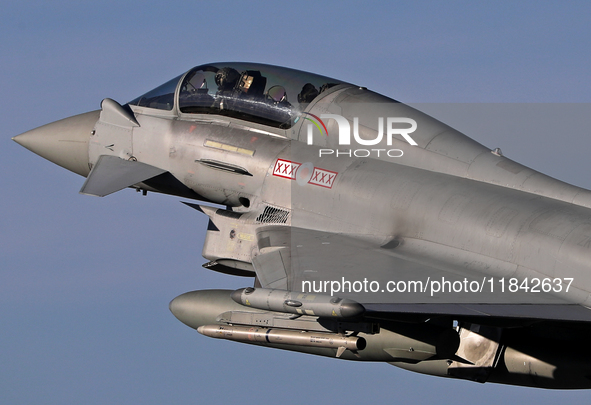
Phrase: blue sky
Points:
(85, 282)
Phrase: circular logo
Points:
(304, 173)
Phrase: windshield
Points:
(161, 98)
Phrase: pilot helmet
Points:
(226, 78)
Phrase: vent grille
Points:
(272, 215)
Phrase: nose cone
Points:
(197, 308)
(63, 142)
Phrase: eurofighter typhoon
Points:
(363, 228)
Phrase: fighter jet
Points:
(364, 229)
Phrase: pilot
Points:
(308, 93)
(226, 79)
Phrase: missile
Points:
(323, 306)
(253, 334)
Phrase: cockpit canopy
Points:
(269, 95)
